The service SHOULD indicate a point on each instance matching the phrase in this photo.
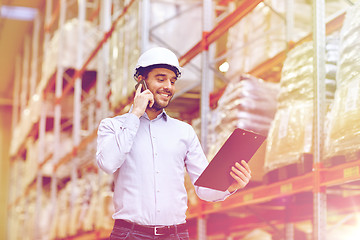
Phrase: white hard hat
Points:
(158, 56)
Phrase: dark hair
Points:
(144, 71)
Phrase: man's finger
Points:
(246, 165)
(138, 90)
(240, 174)
(245, 171)
(151, 101)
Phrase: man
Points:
(147, 151)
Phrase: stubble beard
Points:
(158, 106)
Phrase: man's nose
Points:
(167, 84)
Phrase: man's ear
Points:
(140, 77)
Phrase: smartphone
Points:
(143, 83)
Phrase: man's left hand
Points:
(241, 174)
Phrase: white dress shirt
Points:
(148, 159)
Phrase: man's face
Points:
(161, 82)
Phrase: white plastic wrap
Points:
(343, 138)
(291, 131)
(50, 60)
(65, 146)
(31, 161)
(124, 52)
(28, 118)
(91, 38)
(248, 103)
(255, 38)
(261, 34)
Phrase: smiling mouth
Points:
(167, 95)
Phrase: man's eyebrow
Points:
(160, 75)
(164, 75)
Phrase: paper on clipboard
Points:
(241, 145)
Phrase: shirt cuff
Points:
(229, 193)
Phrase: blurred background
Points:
(287, 69)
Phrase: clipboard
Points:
(241, 145)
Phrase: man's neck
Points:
(153, 113)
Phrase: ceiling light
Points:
(224, 67)
(18, 13)
(36, 97)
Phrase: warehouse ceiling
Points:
(12, 32)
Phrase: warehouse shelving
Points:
(329, 177)
(316, 181)
(39, 127)
(202, 212)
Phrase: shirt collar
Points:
(163, 114)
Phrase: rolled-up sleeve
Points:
(114, 141)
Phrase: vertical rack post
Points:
(35, 54)
(41, 159)
(319, 194)
(57, 110)
(13, 191)
(101, 81)
(16, 95)
(103, 61)
(205, 94)
(42, 127)
(25, 75)
(33, 80)
(289, 231)
(201, 228)
(289, 27)
(145, 24)
(77, 104)
(289, 21)
(205, 76)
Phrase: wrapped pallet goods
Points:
(70, 29)
(258, 234)
(248, 103)
(78, 193)
(30, 217)
(45, 219)
(248, 43)
(290, 135)
(343, 139)
(65, 146)
(31, 161)
(28, 118)
(63, 213)
(91, 215)
(87, 193)
(106, 209)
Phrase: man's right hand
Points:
(142, 100)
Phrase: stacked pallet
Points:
(343, 139)
(290, 137)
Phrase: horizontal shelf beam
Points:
(222, 27)
(331, 26)
(331, 176)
